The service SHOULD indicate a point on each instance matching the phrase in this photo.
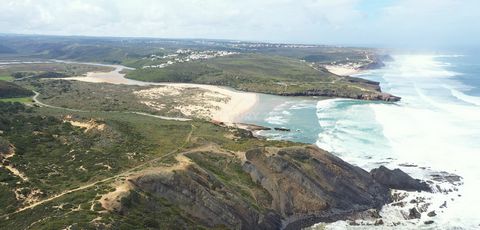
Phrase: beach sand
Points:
(342, 70)
(227, 112)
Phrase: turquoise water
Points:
(436, 127)
(297, 114)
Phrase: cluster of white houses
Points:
(272, 45)
(186, 55)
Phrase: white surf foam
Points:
(466, 98)
(435, 132)
(432, 127)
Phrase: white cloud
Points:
(316, 21)
(431, 22)
(183, 18)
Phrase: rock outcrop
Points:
(286, 188)
(208, 200)
(397, 179)
(365, 95)
(309, 185)
(268, 188)
(380, 97)
(413, 213)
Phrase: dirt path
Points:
(10, 167)
(38, 102)
(125, 173)
(35, 99)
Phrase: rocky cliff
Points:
(397, 179)
(309, 185)
(371, 96)
(271, 188)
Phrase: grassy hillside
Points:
(105, 50)
(6, 78)
(255, 66)
(47, 70)
(54, 156)
(260, 73)
(322, 54)
(131, 51)
(66, 170)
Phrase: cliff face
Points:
(397, 179)
(270, 189)
(308, 184)
(208, 200)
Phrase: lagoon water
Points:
(435, 127)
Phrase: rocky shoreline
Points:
(377, 96)
(397, 180)
(293, 188)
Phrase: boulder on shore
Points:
(282, 129)
(414, 214)
(397, 179)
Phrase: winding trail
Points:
(117, 76)
(10, 167)
(38, 102)
(124, 173)
(238, 103)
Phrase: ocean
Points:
(434, 130)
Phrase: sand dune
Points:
(228, 111)
(342, 70)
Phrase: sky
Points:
(401, 23)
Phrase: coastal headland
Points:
(160, 145)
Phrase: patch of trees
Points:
(12, 90)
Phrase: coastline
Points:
(238, 105)
(348, 121)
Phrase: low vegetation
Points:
(157, 100)
(47, 70)
(6, 78)
(18, 99)
(57, 154)
(258, 73)
(12, 90)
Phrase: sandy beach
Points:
(239, 103)
(342, 70)
(227, 111)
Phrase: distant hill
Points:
(280, 69)
(6, 50)
(126, 50)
